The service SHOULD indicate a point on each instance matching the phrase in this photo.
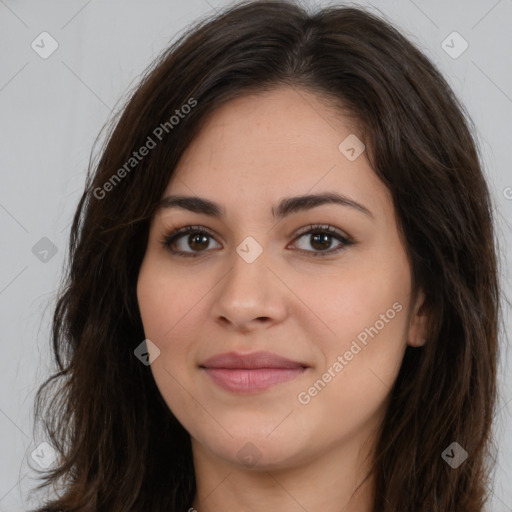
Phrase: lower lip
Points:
(240, 380)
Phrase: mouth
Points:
(250, 373)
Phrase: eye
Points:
(198, 239)
(321, 238)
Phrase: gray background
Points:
(52, 110)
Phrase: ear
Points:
(418, 323)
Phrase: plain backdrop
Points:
(53, 107)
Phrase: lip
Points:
(253, 372)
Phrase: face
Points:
(280, 326)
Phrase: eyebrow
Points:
(285, 207)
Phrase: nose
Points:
(251, 296)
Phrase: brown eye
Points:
(189, 237)
(193, 241)
(321, 238)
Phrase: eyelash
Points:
(174, 235)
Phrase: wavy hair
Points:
(119, 446)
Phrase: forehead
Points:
(283, 142)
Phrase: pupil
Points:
(321, 239)
(199, 236)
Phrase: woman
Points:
(283, 289)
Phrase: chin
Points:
(254, 449)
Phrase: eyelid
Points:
(344, 239)
(172, 234)
(321, 227)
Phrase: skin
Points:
(252, 152)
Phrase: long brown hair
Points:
(120, 447)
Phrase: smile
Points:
(249, 381)
(250, 373)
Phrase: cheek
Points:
(166, 309)
(165, 299)
(172, 314)
(361, 364)
(364, 320)
(347, 303)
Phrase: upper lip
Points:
(253, 360)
